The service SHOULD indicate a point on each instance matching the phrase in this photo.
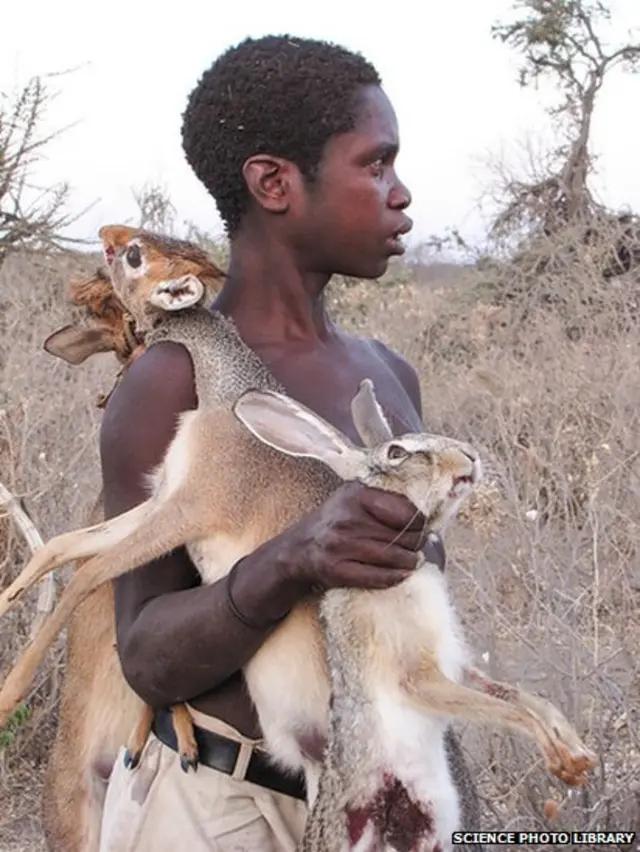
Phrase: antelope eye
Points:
(395, 452)
(133, 256)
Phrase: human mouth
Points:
(395, 241)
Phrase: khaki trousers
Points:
(159, 808)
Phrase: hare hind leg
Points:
(562, 732)
(500, 704)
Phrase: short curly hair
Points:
(278, 95)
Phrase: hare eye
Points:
(133, 256)
(395, 452)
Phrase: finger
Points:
(413, 541)
(363, 576)
(393, 510)
(392, 557)
(388, 536)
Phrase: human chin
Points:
(365, 265)
(377, 269)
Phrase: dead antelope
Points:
(98, 710)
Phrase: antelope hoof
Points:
(189, 761)
(131, 759)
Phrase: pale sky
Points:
(452, 86)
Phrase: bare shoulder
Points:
(165, 370)
(404, 372)
(400, 368)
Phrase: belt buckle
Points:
(245, 753)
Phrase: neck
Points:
(270, 299)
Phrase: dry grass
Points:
(545, 565)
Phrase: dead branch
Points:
(30, 217)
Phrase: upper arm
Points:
(138, 425)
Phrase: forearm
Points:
(188, 642)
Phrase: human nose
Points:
(399, 196)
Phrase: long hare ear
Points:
(176, 294)
(368, 416)
(74, 345)
(292, 428)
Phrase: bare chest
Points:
(326, 381)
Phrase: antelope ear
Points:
(176, 294)
(74, 344)
(368, 416)
(293, 429)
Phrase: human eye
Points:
(377, 167)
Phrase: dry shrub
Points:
(543, 564)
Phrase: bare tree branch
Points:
(156, 211)
(30, 218)
(560, 40)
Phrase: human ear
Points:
(269, 181)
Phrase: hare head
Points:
(434, 472)
(152, 273)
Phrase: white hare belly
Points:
(413, 624)
(419, 625)
(412, 749)
(433, 622)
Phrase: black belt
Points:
(221, 753)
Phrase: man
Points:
(296, 142)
